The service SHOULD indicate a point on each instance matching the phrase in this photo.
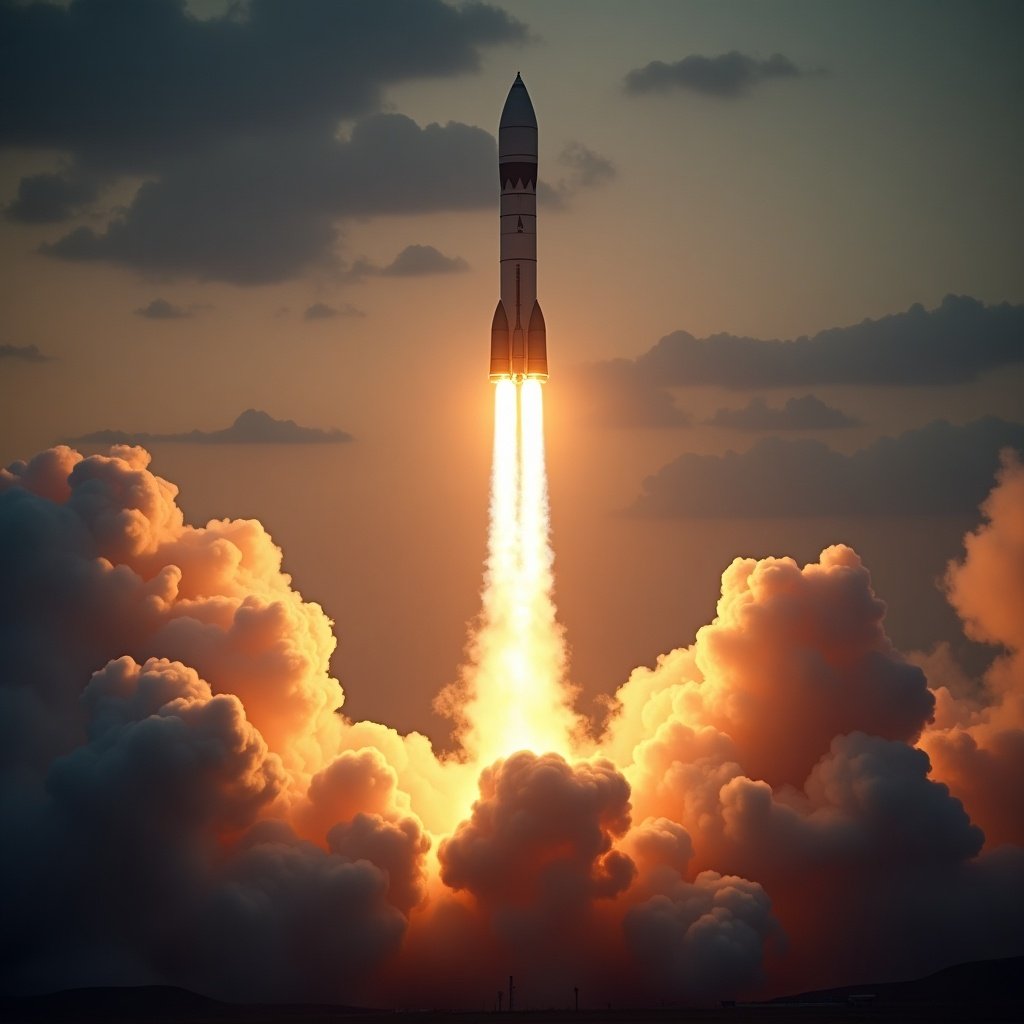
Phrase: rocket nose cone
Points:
(518, 109)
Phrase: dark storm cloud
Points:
(259, 210)
(728, 74)
(321, 311)
(49, 198)
(939, 469)
(956, 342)
(233, 122)
(26, 353)
(806, 413)
(251, 427)
(161, 309)
(64, 71)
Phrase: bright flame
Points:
(517, 697)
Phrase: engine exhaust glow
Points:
(516, 694)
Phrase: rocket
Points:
(518, 337)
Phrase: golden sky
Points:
(878, 172)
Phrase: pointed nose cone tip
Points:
(518, 109)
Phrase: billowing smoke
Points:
(977, 740)
(169, 734)
(786, 803)
(783, 741)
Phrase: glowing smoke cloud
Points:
(977, 738)
(183, 802)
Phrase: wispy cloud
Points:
(412, 261)
(321, 311)
(26, 353)
(161, 309)
(251, 427)
(806, 413)
(728, 75)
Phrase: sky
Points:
(781, 265)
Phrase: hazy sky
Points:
(204, 217)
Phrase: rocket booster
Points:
(518, 335)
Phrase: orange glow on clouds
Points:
(194, 711)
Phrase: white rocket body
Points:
(518, 335)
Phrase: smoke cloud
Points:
(977, 740)
(786, 803)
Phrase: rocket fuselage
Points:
(518, 334)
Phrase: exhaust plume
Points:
(513, 694)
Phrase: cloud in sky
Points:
(956, 342)
(25, 353)
(953, 343)
(805, 413)
(262, 72)
(582, 168)
(728, 75)
(322, 311)
(251, 427)
(412, 261)
(939, 469)
(51, 198)
(258, 210)
(232, 121)
(161, 309)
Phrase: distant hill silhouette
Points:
(991, 991)
(985, 983)
(162, 1004)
